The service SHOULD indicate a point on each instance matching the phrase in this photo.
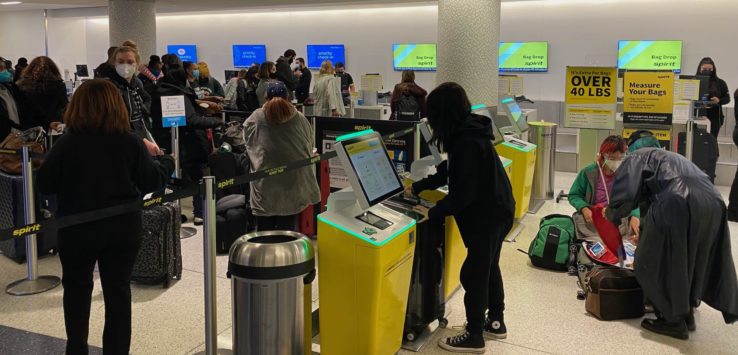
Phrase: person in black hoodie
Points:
(41, 95)
(194, 147)
(718, 95)
(285, 72)
(117, 168)
(480, 199)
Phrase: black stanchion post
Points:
(184, 232)
(32, 284)
(211, 311)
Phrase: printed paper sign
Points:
(173, 111)
(648, 97)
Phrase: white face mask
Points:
(613, 164)
(125, 70)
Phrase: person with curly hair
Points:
(40, 94)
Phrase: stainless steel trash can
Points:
(543, 135)
(268, 272)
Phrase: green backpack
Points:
(550, 248)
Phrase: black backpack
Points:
(408, 109)
(246, 99)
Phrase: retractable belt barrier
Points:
(19, 152)
(161, 197)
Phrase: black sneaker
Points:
(463, 343)
(495, 329)
(676, 330)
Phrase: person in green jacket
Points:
(593, 186)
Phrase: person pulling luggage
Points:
(480, 199)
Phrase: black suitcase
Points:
(705, 152)
(426, 301)
(160, 258)
(233, 220)
(12, 214)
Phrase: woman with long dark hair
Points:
(41, 96)
(480, 199)
(99, 150)
(718, 95)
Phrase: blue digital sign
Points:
(317, 53)
(246, 54)
(185, 52)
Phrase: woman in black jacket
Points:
(194, 146)
(100, 164)
(718, 95)
(480, 199)
(41, 95)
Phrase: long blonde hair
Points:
(327, 68)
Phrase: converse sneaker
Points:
(197, 221)
(463, 343)
(495, 329)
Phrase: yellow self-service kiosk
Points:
(365, 254)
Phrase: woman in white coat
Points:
(327, 93)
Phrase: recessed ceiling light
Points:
(10, 3)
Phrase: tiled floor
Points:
(543, 315)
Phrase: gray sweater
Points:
(270, 146)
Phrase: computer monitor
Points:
(368, 167)
(82, 71)
(704, 85)
(512, 109)
(497, 121)
(230, 74)
(425, 130)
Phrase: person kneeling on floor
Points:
(591, 191)
(684, 255)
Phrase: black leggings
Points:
(115, 253)
(481, 276)
(270, 223)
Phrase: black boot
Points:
(689, 319)
(676, 330)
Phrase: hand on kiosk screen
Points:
(373, 168)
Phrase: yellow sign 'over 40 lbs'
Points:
(591, 97)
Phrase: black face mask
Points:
(272, 75)
(707, 72)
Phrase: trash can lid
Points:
(271, 255)
(541, 123)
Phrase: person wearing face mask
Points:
(302, 92)
(592, 189)
(684, 255)
(267, 74)
(5, 75)
(285, 71)
(347, 82)
(151, 73)
(718, 96)
(205, 80)
(122, 72)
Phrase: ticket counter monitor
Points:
(365, 254)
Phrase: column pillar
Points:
(468, 36)
(134, 20)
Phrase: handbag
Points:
(613, 293)
(34, 138)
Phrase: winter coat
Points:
(327, 96)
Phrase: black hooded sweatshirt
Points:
(717, 88)
(479, 191)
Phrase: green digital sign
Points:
(523, 56)
(650, 55)
(414, 56)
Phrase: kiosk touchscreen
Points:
(514, 113)
(491, 112)
(366, 254)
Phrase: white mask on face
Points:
(613, 164)
(126, 71)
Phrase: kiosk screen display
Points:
(650, 55)
(373, 168)
(515, 113)
(496, 123)
(317, 53)
(414, 56)
(425, 130)
(246, 54)
(523, 56)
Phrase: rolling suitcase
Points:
(160, 258)
(12, 214)
(705, 152)
(233, 220)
